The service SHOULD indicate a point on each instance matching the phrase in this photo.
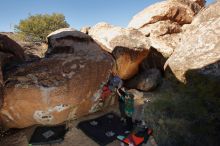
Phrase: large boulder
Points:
(155, 60)
(199, 51)
(128, 46)
(162, 23)
(163, 35)
(10, 48)
(32, 50)
(165, 10)
(71, 44)
(1, 95)
(10, 53)
(145, 81)
(161, 28)
(165, 44)
(57, 88)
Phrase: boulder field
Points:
(169, 54)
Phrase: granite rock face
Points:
(162, 23)
(200, 46)
(129, 47)
(57, 88)
(10, 53)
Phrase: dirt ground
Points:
(74, 137)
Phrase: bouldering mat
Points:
(103, 130)
(48, 135)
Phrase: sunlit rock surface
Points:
(57, 88)
(200, 46)
(162, 22)
(128, 46)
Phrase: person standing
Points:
(121, 100)
(126, 106)
(129, 110)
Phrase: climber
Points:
(126, 106)
(121, 100)
(115, 82)
(129, 109)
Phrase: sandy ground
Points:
(74, 137)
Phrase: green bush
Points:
(36, 27)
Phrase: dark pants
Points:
(122, 109)
(129, 123)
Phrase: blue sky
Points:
(78, 13)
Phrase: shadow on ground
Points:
(187, 113)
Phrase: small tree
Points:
(37, 27)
